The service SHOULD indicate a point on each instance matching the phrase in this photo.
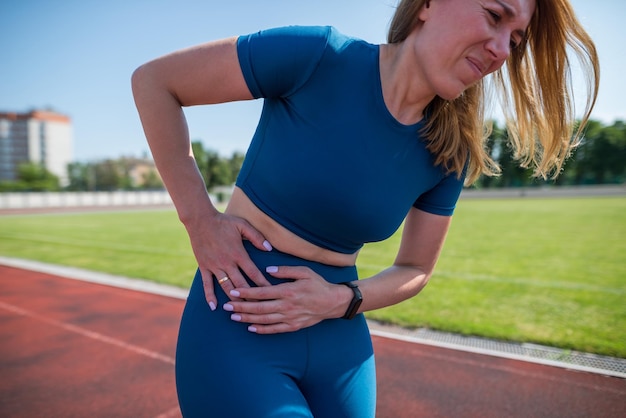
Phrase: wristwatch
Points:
(357, 298)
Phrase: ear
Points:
(424, 13)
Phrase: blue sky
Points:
(76, 56)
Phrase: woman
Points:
(341, 120)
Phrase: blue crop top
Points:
(328, 161)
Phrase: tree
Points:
(107, 176)
(601, 157)
(201, 160)
(32, 177)
(219, 172)
(235, 162)
(151, 181)
(215, 170)
(78, 174)
(493, 146)
(612, 153)
(501, 152)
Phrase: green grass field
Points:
(549, 271)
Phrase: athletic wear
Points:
(323, 371)
(328, 161)
(331, 164)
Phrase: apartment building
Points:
(38, 136)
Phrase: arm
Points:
(423, 237)
(205, 74)
(310, 299)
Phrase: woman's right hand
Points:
(217, 243)
(205, 74)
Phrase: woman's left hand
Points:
(289, 306)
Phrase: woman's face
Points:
(461, 41)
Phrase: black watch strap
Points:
(355, 303)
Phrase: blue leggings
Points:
(223, 370)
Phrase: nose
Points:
(499, 46)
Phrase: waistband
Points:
(332, 274)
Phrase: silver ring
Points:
(223, 279)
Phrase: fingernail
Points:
(234, 293)
(252, 328)
(212, 305)
(235, 317)
(271, 269)
(267, 245)
(228, 307)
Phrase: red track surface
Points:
(76, 349)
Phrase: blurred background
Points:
(71, 62)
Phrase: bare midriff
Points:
(281, 238)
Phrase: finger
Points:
(255, 237)
(273, 329)
(259, 293)
(236, 279)
(225, 281)
(266, 323)
(209, 290)
(290, 272)
(270, 319)
(255, 310)
(252, 271)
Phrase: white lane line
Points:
(89, 334)
(178, 293)
(524, 373)
(501, 354)
(96, 277)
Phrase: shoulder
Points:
(289, 35)
(302, 37)
(276, 62)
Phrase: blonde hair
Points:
(534, 89)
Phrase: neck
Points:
(404, 90)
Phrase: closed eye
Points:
(495, 16)
(517, 43)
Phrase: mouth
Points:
(477, 67)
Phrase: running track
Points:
(70, 348)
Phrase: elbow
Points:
(418, 278)
(420, 283)
(149, 83)
(138, 79)
(148, 86)
(148, 76)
